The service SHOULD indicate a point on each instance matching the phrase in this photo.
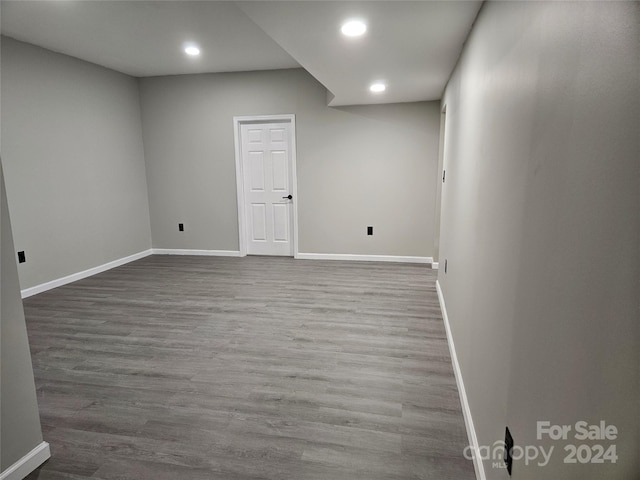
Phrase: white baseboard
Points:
(28, 463)
(466, 410)
(209, 253)
(435, 265)
(43, 287)
(363, 258)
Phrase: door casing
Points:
(242, 214)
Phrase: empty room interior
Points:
(330, 240)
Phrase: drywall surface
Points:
(356, 166)
(541, 231)
(19, 416)
(74, 162)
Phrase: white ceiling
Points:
(145, 38)
(411, 45)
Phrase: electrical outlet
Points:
(181, 227)
(369, 230)
(21, 257)
(508, 450)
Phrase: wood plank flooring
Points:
(247, 368)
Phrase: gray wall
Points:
(74, 162)
(20, 432)
(540, 225)
(356, 166)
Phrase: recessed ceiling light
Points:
(353, 28)
(378, 87)
(192, 50)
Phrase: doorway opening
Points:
(440, 179)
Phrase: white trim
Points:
(237, 123)
(466, 409)
(363, 258)
(207, 253)
(294, 176)
(43, 287)
(28, 463)
(242, 235)
(435, 265)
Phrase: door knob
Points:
(289, 197)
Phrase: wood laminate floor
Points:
(247, 368)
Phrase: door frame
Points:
(242, 214)
(440, 180)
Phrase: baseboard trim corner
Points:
(363, 258)
(43, 287)
(28, 463)
(466, 409)
(207, 253)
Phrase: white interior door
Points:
(268, 187)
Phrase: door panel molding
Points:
(243, 215)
